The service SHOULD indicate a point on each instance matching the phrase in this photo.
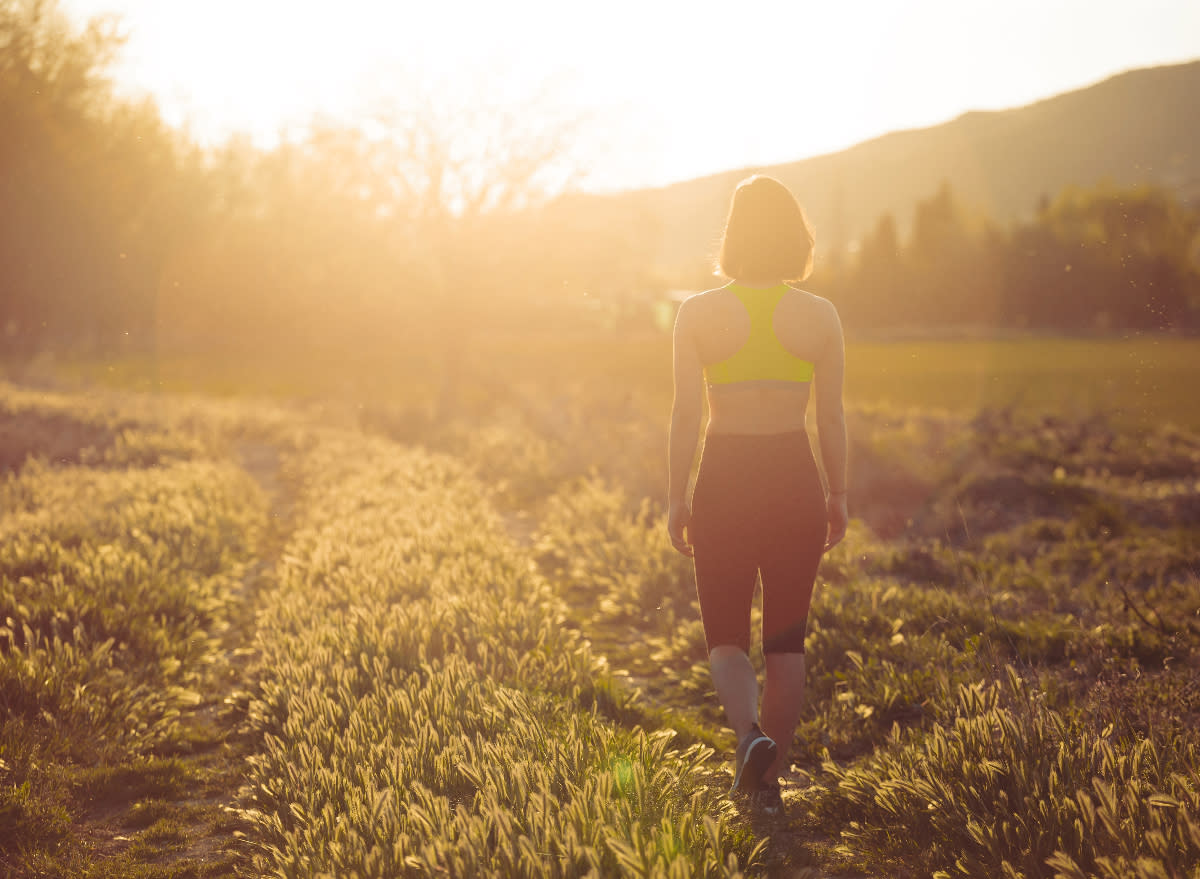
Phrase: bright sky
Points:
(674, 88)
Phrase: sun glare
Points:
(685, 88)
(261, 68)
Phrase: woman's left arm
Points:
(685, 426)
(831, 424)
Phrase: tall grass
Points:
(488, 660)
(119, 566)
(424, 711)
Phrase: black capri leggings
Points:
(758, 509)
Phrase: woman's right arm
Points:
(685, 426)
(831, 423)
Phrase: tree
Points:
(881, 278)
(51, 91)
(942, 254)
(1109, 258)
(94, 191)
(463, 178)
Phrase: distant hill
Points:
(1139, 126)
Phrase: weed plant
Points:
(424, 711)
(1061, 551)
(490, 662)
(1011, 787)
(118, 565)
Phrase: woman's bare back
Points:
(720, 326)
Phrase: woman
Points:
(759, 508)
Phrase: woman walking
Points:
(759, 510)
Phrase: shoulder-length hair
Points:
(766, 236)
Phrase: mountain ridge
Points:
(1140, 126)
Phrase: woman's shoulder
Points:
(697, 305)
(707, 296)
(810, 297)
(813, 304)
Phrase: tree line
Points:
(120, 234)
(1102, 259)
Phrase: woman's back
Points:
(761, 349)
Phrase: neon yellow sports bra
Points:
(763, 358)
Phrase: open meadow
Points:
(314, 630)
(1139, 383)
(335, 379)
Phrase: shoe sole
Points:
(770, 810)
(759, 755)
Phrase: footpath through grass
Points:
(126, 549)
(424, 711)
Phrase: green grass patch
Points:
(120, 560)
(1140, 382)
(425, 710)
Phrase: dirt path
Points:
(793, 851)
(175, 815)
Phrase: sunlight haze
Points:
(673, 90)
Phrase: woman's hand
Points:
(835, 506)
(679, 516)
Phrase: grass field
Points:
(1141, 383)
(325, 636)
(1137, 383)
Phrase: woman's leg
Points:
(724, 533)
(783, 699)
(737, 686)
(795, 532)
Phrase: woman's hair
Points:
(766, 235)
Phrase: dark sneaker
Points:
(767, 800)
(755, 752)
